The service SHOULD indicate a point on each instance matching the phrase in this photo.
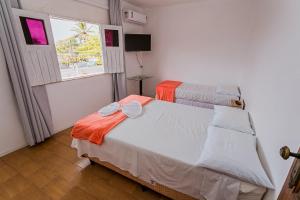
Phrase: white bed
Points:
(203, 95)
(163, 146)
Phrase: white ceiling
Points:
(157, 3)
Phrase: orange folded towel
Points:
(166, 90)
(94, 127)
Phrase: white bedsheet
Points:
(203, 94)
(195, 103)
(163, 146)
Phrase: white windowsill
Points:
(78, 78)
(82, 77)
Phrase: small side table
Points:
(140, 79)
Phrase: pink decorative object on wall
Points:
(111, 38)
(34, 31)
(37, 31)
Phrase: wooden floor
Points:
(49, 171)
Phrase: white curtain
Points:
(118, 79)
(32, 102)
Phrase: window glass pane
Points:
(78, 46)
(34, 31)
(111, 38)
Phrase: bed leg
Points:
(144, 189)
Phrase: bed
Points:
(160, 150)
(205, 96)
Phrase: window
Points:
(78, 47)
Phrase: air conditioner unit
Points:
(135, 17)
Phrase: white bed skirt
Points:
(156, 169)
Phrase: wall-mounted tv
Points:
(137, 42)
(34, 31)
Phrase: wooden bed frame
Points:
(166, 191)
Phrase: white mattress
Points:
(203, 94)
(163, 146)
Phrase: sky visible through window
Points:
(78, 47)
(62, 29)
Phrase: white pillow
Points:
(232, 118)
(228, 90)
(231, 153)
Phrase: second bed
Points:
(199, 95)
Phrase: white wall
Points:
(252, 43)
(132, 65)
(202, 42)
(11, 134)
(271, 81)
(74, 99)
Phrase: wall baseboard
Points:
(8, 151)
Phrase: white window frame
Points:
(113, 57)
(40, 60)
(100, 32)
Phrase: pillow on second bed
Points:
(232, 118)
(235, 154)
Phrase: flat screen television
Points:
(137, 42)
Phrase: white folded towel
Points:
(110, 109)
(132, 109)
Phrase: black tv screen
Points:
(137, 42)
